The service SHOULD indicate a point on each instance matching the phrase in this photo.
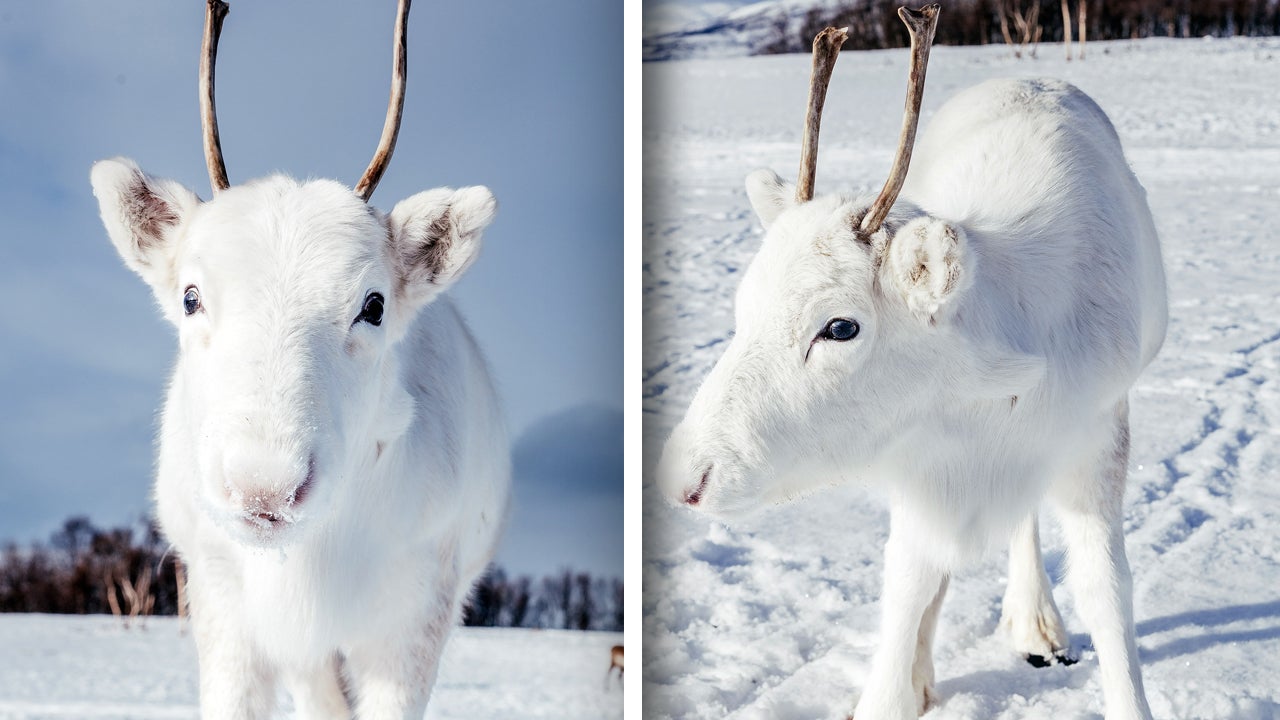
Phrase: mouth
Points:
(694, 496)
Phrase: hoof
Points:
(1058, 658)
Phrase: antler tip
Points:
(925, 14)
(831, 36)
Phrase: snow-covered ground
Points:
(82, 667)
(777, 617)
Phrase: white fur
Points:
(379, 450)
(1009, 302)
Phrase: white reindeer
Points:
(968, 350)
(333, 467)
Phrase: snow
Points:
(58, 666)
(777, 617)
(675, 31)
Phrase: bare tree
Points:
(584, 608)
(565, 589)
(139, 600)
(1066, 28)
(1083, 12)
(519, 602)
(1026, 22)
(180, 580)
(1004, 26)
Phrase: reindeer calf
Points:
(968, 350)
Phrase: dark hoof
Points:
(1040, 661)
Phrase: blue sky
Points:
(524, 97)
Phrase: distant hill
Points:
(678, 32)
(681, 30)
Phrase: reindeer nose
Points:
(267, 491)
(694, 495)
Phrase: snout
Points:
(684, 477)
(706, 487)
(704, 473)
(685, 487)
(265, 495)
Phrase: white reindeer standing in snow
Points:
(969, 352)
(333, 467)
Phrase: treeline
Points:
(129, 572)
(569, 600)
(874, 24)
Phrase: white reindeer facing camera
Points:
(333, 467)
(968, 350)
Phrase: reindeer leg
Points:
(235, 682)
(393, 678)
(317, 692)
(913, 588)
(1028, 612)
(922, 668)
(392, 674)
(1090, 511)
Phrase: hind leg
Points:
(1090, 511)
(1028, 612)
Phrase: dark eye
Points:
(372, 310)
(840, 329)
(191, 300)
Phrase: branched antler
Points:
(213, 17)
(395, 106)
(921, 24)
(826, 48)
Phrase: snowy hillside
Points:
(777, 617)
(675, 31)
(76, 667)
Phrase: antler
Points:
(921, 24)
(213, 16)
(391, 127)
(826, 48)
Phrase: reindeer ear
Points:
(930, 263)
(142, 215)
(436, 237)
(769, 195)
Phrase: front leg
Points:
(317, 691)
(913, 585)
(392, 674)
(236, 683)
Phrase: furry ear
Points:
(929, 262)
(769, 195)
(142, 215)
(436, 237)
